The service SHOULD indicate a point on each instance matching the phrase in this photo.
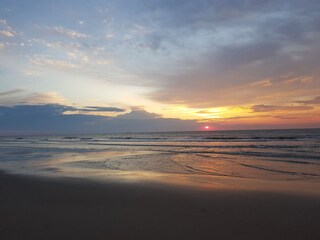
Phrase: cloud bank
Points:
(48, 119)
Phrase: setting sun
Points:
(206, 127)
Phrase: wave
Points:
(255, 138)
(274, 160)
(257, 154)
(294, 154)
(186, 138)
(209, 139)
(280, 171)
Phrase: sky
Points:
(158, 65)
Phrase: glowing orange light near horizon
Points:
(206, 128)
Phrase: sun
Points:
(206, 127)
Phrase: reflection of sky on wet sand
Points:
(130, 166)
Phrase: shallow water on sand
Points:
(281, 156)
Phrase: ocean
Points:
(273, 155)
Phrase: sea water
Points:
(255, 154)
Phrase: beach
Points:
(161, 186)
(42, 208)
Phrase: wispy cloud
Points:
(44, 98)
(74, 55)
(272, 108)
(23, 96)
(314, 101)
(46, 61)
(5, 29)
(62, 31)
(7, 33)
(67, 32)
(262, 83)
(11, 92)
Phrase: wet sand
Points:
(65, 208)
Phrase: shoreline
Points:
(34, 207)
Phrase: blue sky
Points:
(210, 62)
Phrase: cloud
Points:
(7, 33)
(86, 58)
(67, 32)
(312, 101)
(262, 83)
(233, 46)
(6, 30)
(21, 96)
(46, 61)
(43, 98)
(100, 109)
(50, 119)
(11, 92)
(271, 108)
(62, 31)
(231, 57)
(139, 113)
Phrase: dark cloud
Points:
(49, 118)
(230, 57)
(271, 108)
(34, 110)
(260, 40)
(101, 109)
(186, 13)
